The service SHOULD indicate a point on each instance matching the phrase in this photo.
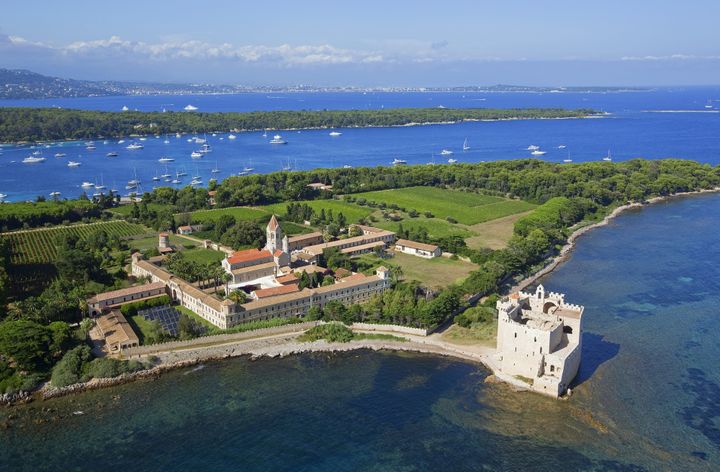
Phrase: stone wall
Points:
(391, 328)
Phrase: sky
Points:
(367, 43)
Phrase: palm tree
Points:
(396, 273)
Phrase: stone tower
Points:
(274, 235)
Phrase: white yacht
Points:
(167, 141)
(59, 154)
(199, 140)
(335, 133)
(232, 136)
(122, 141)
(607, 158)
(166, 159)
(87, 185)
(347, 166)
(196, 154)
(73, 164)
(90, 147)
(446, 152)
(562, 146)
(125, 108)
(538, 152)
(567, 161)
(399, 162)
(112, 154)
(3, 196)
(175, 181)
(533, 147)
(133, 146)
(466, 146)
(143, 139)
(37, 153)
(54, 194)
(452, 161)
(215, 170)
(178, 135)
(33, 160)
(204, 149)
(277, 139)
(190, 108)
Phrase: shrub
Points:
(131, 309)
(69, 370)
(451, 220)
(331, 332)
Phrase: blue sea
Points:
(654, 124)
(648, 393)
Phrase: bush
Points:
(131, 309)
(451, 220)
(69, 370)
(331, 332)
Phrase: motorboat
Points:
(190, 108)
(37, 153)
(87, 185)
(567, 161)
(399, 162)
(59, 154)
(33, 160)
(335, 133)
(54, 194)
(166, 159)
(196, 154)
(232, 136)
(125, 108)
(204, 149)
(175, 181)
(73, 164)
(452, 161)
(277, 139)
(167, 141)
(533, 147)
(134, 146)
(178, 135)
(200, 140)
(112, 154)
(446, 152)
(90, 148)
(347, 166)
(562, 146)
(537, 152)
(143, 139)
(122, 141)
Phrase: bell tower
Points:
(274, 235)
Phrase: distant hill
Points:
(18, 84)
(26, 84)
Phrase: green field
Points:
(38, 246)
(353, 213)
(436, 228)
(436, 273)
(466, 207)
(204, 256)
(239, 213)
(149, 242)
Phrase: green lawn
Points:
(204, 256)
(466, 207)
(198, 318)
(434, 273)
(141, 326)
(436, 228)
(353, 213)
(143, 244)
(239, 213)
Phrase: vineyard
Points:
(38, 246)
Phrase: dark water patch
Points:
(704, 412)
(595, 352)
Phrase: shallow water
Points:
(648, 396)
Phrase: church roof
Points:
(273, 225)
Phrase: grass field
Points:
(434, 273)
(353, 213)
(485, 334)
(239, 213)
(145, 243)
(204, 256)
(436, 228)
(493, 234)
(466, 207)
(38, 246)
(125, 210)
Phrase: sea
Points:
(654, 124)
(647, 396)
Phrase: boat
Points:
(200, 140)
(335, 133)
(87, 184)
(112, 154)
(106, 142)
(214, 134)
(347, 166)
(59, 154)
(399, 162)
(73, 164)
(607, 158)
(54, 194)
(264, 135)
(165, 175)
(122, 141)
(178, 135)
(446, 152)
(215, 170)
(232, 136)
(33, 160)
(562, 146)
(190, 108)
(277, 139)
(180, 173)
(166, 159)
(125, 108)
(175, 181)
(143, 139)
(102, 184)
(532, 147)
(36, 153)
(167, 141)
(452, 161)
(133, 146)
(466, 146)
(3, 196)
(537, 152)
(196, 154)
(90, 148)
(204, 149)
(567, 161)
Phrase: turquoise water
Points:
(648, 396)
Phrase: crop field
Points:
(435, 227)
(38, 246)
(466, 207)
(353, 213)
(239, 213)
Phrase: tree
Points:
(69, 370)
(244, 233)
(238, 296)
(26, 344)
(223, 224)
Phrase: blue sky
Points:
(378, 43)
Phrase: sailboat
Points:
(335, 133)
(215, 170)
(102, 184)
(607, 158)
(466, 146)
(446, 152)
(264, 135)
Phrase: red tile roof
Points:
(278, 253)
(287, 279)
(248, 255)
(274, 291)
(273, 223)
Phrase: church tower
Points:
(274, 235)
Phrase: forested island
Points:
(51, 124)
(35, 332)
